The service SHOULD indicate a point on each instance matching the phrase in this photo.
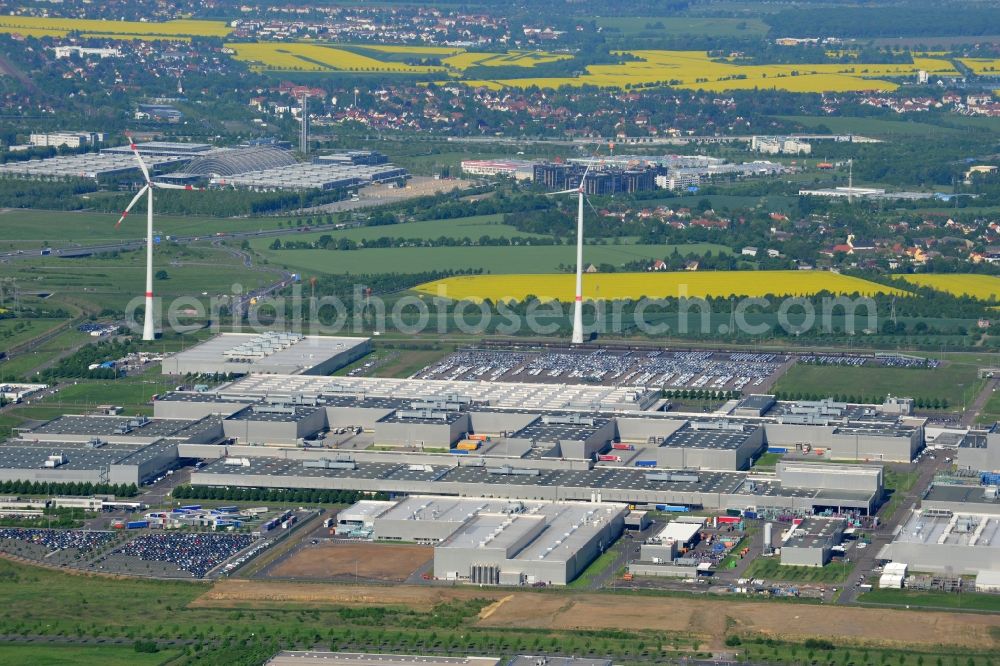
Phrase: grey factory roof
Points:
(272, 414)
(108, 426)
(756, 401)
(310, 175)
(568, 526)
(972, 495)
(434, 417)
(26, 454)
(814, 533)
(88, 165)
(527, 660)
(692, 438)
(147, 148)
(554, 432)
(969, 530)
(232, 161)
(527, 396)
(267, 352)
(361, 659)
(972, 440)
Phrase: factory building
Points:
(784, 145)
(979, 451)
(268, 353)
(68, 139)
(101, 449)
(506, 440)
(957, 543)
(811, 542)
(494, 541)
(516, 169)
(710, 445)
(840, 431)
(355, 659)
(92, 166)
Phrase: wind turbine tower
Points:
(580, 191)
(304, 129)
(148, 326)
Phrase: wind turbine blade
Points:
(552, 194)
(171, 186)
(135, 151)
(135, 199)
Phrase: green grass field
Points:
(970, 601)
(952, 381)
(28, 228)
(24, 364)
(15, 331)
(132, 393)
(641, 26)
(77, 655)
(991, 410)
(111, 282)
(462, 227)
(502, 260)
(770, 568)
(872, 126)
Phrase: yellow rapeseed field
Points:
(982, 66)
(694, 70)
(618, 286)
(34, 26)
(982, 287)
(298, 56)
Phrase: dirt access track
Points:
(708, 618)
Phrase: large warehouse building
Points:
(811, 542)
(957, 543)
(268, 353)
(462, 438)
(498, 542)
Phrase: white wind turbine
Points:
(577, 338)
(148, 327)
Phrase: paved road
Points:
(976, 408)
(864, 559)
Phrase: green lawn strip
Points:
(771, 569)
(598, 567)
(958, 601)
(81, 655)
(491, 259)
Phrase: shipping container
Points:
(777, 449)
(729, 520)
(752, 515)
(733, 512)
(645, 463)
(622, 447)
(609, 458)
(136, 524)
(228, 509)
(480, 438)
(468, 445)
(672, 507)
(191, 507)
(459, 452)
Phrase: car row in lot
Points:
(196, 553)
(662, 368)
(84, 541)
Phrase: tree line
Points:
(72, 488)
